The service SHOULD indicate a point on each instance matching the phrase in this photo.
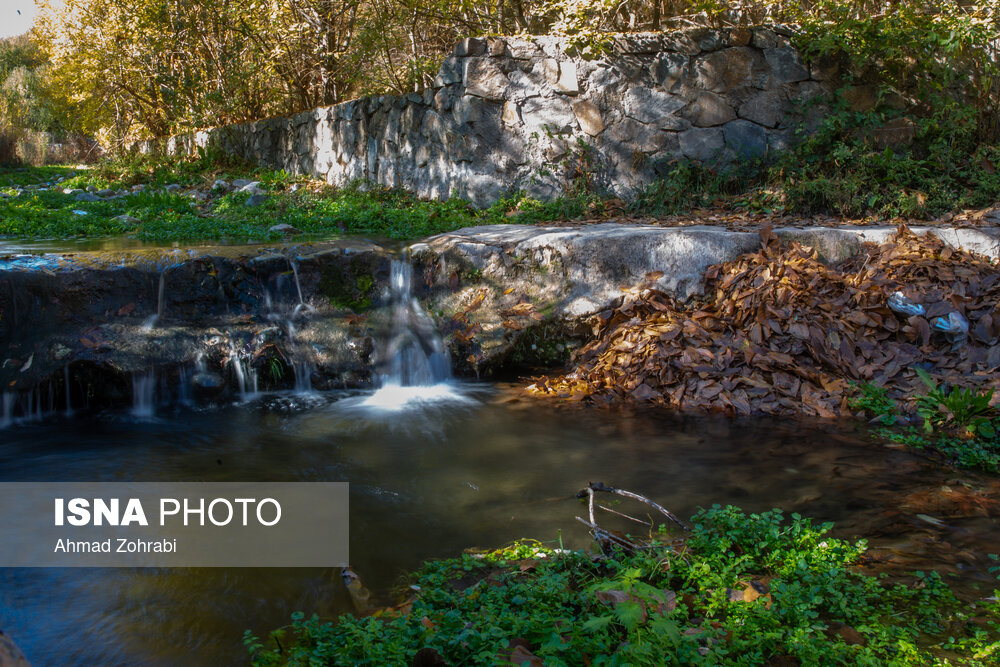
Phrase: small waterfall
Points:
(144, 393)
(415, 355)
(302, 363)
(246, 374)
(34, 411)
(69, 399)
(184, 386)
(298, 285)
(301, 305)
(7, 419)
(283, 313)
(413, 363)
(151, 321)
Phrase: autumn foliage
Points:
(780, 332)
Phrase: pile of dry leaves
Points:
(779, 332)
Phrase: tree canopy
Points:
(125, 69)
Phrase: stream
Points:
(470, 465)
(435, 466)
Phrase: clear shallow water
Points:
(475, 467)
(16, 246)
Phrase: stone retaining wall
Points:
(526, 114)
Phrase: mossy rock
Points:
(353, 285)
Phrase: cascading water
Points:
(161, 290)
(144, 394)
(415, 354)
(246, 374)
(8, 409)
(69, 399)
(413, 361)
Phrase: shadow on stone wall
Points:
(509, 114)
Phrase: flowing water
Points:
(428, 481)
(435, 466)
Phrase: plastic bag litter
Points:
(955, 326)
(900, 304)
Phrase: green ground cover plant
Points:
(741, 589)
(957, 424)
(158, 215)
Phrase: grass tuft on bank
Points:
(742, 589)
(842, 168)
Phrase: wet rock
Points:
(89, 312)
(87, 197)
(208, 385)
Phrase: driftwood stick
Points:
(601, 534)
(625, 516)
(590, 506)
(601, 486)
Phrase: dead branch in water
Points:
(601, 486)
(609, 539)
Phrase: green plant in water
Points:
(874, 401)
(961, 408)
(276, 369)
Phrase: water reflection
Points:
(476, 469)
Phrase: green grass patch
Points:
(21, 176)
(808, 603)
(314, 209)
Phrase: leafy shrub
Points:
(745, 589)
